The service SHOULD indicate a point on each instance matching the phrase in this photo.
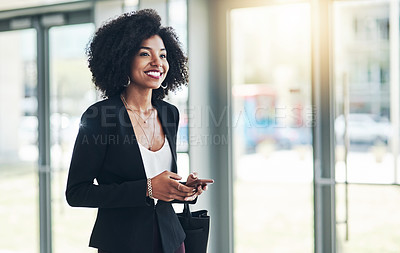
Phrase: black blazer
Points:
(106, 150)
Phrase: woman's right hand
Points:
(166, 187)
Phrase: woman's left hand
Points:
(200, 188)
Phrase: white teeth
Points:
(153, 73)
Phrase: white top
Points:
(156, 162)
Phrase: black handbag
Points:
(196, 226)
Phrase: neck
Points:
(139, 99)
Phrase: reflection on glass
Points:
(271, 83)
(71, 92)
(363, 129)
(18, 143)
(362, 64)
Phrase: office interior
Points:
(292, 107)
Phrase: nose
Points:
(157, 61)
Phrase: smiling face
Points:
(150, 66)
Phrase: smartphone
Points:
(202, 182)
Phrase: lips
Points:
(154, 74)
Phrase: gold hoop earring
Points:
(164, 87)
(129, 82)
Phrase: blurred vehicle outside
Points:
(363, 128)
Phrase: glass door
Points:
(366, 125)
(270, 52)
(71, 92)
(19, 205)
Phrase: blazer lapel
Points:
(128, 134)
(169, 131)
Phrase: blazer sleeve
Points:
(87, 159)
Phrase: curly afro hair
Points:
(114, 45)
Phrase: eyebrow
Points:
(149, 48)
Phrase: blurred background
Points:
(292, 107)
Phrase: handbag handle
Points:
(186, 211)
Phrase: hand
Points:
(192, 177)
(167, 188)
(200, 188)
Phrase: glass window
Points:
(364, 126)
(18, 142)
(272, 145)
(71, 92)
(363, 92)
(177, 19)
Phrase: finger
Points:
(194, 175)
(190, 180)
(205, 187)
(199, 190)
(174, 176)
(171, 195)
(175, 192)
(191, 198)
(163, 197)
(167, 200)
(182, 187)
(177, 197)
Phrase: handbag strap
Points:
(186, 211)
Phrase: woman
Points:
(124, 159)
